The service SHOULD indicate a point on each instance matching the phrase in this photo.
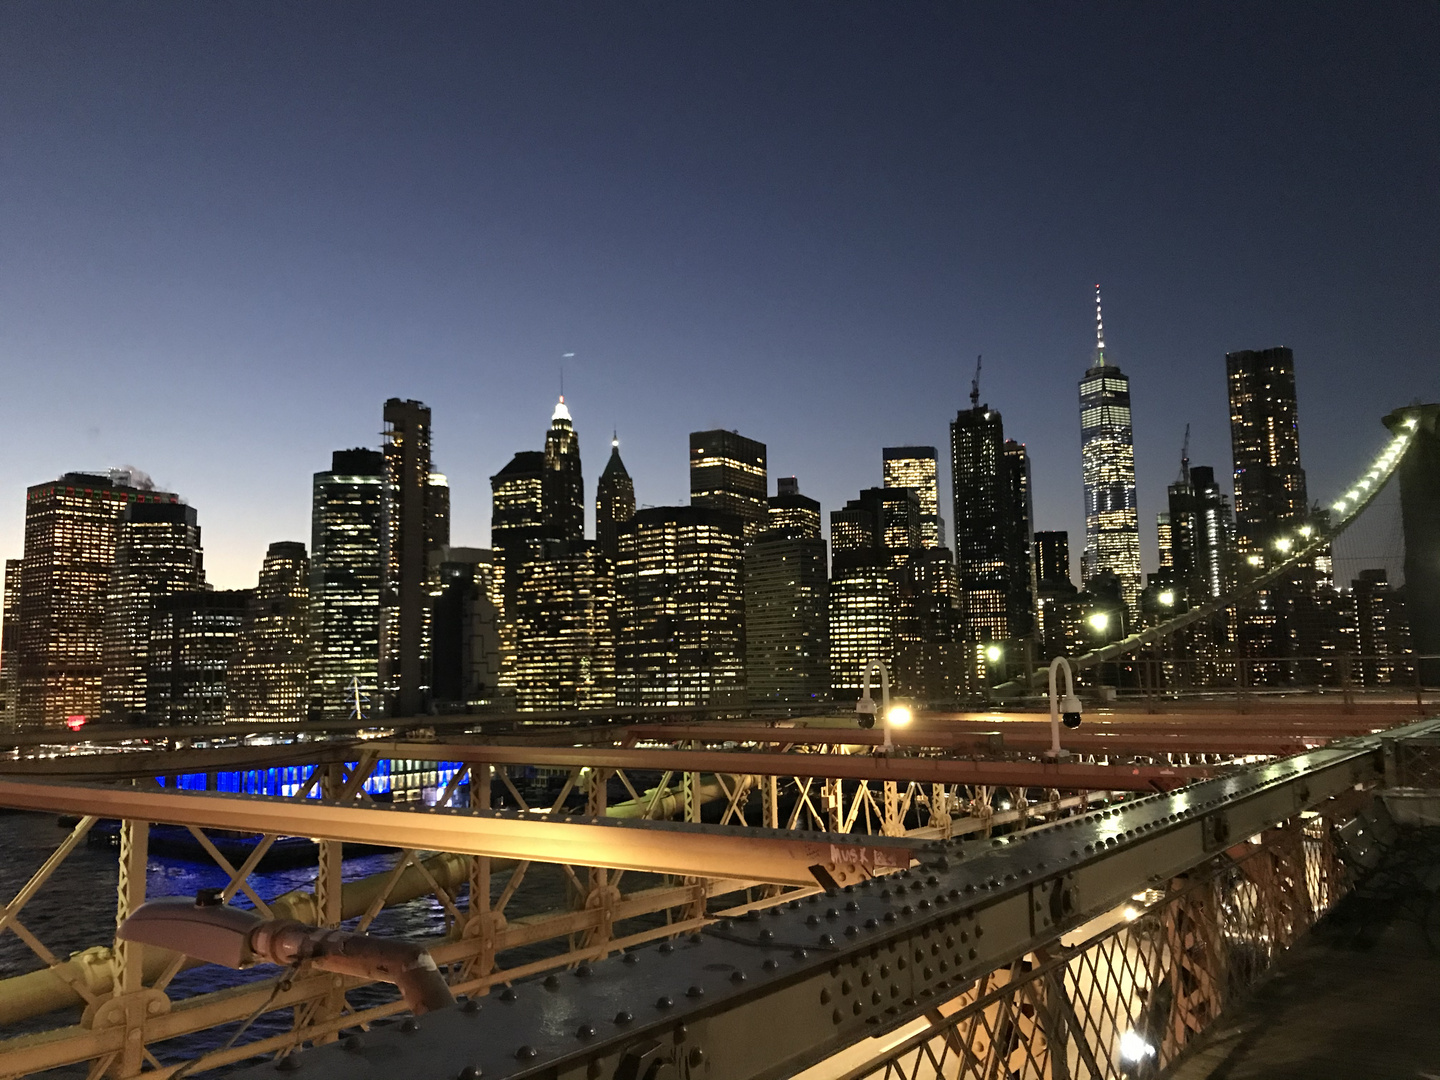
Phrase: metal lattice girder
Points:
(1067, 777)
(767, 996)
(658, 846)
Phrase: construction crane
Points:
(975, 385)
(1185, 457)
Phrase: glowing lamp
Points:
(899, 716)
(993, 653)
(76, 722)
(1099, 621)
(1283, 544)
(1167, 598)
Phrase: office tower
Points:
(887, 593)
(517, 519)
(787, 604)
(727, 472)
(1213, 535)
(1270, 498)
(1052, 557)
(1112, 522)
(1419, 471)
(1019, 532)
(984, 522)
(465, 633)
(416, 522)
(564, 629)
(614, 503)
(70, 529)
(1164, 540)
(681, 607)
(1382, 631)
(915, 467)
(1056, 597)
(346, 525)
(1265, 442)
(265, 682)
(193, 637)
(9, 617)
(563, 488)
(157, 552)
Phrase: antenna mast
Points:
(975, 384)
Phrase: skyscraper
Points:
(727, 472)
(346, 524)
(1019, 535)
(984, 522)
(1265, 442)
(786, 604)
(681, 608)
(157, 552)
(1270, 496)
(70, 527)
(265, 681)
(1052, 557)
(564, 629)
(517, 519)
(614, 503)
(879, 577)
(915, 467)
(466, 628)
(1112, 522)
(416, 522)
(9, 618)
(1055, 595)
(563, 495)
(193, 636)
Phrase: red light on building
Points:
(75, 723)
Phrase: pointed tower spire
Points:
(1099, 331)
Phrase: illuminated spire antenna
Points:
(1099, 332)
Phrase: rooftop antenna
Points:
(1185, 457)
(563, 358)
(1099, 331)
(975, 384)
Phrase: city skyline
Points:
(744, 219)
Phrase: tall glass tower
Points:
(1107, 451)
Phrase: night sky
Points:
(229, 231)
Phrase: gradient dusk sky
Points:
(228, 232)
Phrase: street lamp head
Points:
(1167, 598)
(898, 716)
(1100, 621)
(1255, 560)
(1283, 544)
(993, 653)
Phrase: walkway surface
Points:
(1360, 998)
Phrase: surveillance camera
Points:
(1070, 711)
(865, 712)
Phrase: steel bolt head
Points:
(526, 1053)
(585, 1031)
(664, 1002)
(470, 1072)
(624, 1017)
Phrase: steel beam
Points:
(655, 846)
(765, 997)
(1067, 777)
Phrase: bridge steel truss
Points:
(786, 822)
(874, 821)
(983, 961)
